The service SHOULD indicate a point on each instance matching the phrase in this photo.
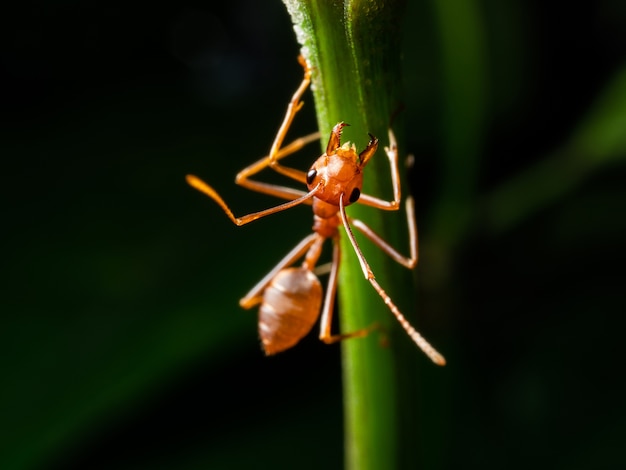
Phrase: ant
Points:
(290, 298)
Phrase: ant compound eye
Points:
(355, 195)
(310, 176)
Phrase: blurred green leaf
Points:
(599, 142)
(462, 51)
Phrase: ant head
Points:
(340, 169)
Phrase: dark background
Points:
(121, 341)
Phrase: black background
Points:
(122, 344)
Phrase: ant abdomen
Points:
(291, 305)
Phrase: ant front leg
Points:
(201, 186)
(292, 109)
(275, 190)
(243, 177)
(392, 155)
(294, 196)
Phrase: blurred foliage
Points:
(122, 344)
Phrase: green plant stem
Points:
(598, 142)
(353, 48)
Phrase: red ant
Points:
(290, 297)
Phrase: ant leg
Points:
(388, 249)
(276, 153)
(243, 176)
(417, 338)
(392, 155)
(329, 301)
(201, 186)
(322, 269)
(255, 295)
(292, 108)
(264, 188)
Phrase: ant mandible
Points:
(290, 297)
